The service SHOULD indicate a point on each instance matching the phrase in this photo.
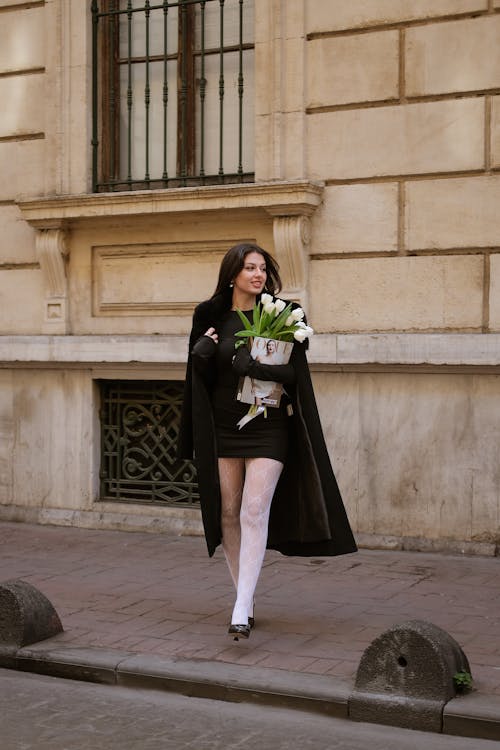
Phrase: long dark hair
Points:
(233, 262)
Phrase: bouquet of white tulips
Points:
(270, 336)
(274, 319)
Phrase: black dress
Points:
(262, 437)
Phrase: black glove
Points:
(242, 361)
(245, 364)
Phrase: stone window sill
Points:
(280, 198)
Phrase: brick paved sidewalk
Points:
(157, 594)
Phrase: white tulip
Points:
(297, 314)
(300, 335)
(289, 321)
(279, 305)
(266, 298)
(269, 307)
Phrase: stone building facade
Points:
(373, 137)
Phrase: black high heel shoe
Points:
(239, 631)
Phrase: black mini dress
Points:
(263, 436)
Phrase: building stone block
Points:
(279, 57)
(292, 83)
(268, 161)
(495, 292)
(397, 294)
(26, 615)
(25, 96)
(405, 677)
(265, 86)
(398, 440)
(6, 435)
(22, 169)
(485, 426)
(338, 399)
(55, 461)
(495, 131)
(291, 21)
(442, 136)
(17, 238)
(403, 500)
(293, 150)
(22, 40)
(264, 28)
(450, 213)
(356, 218)
(21, 301)
(432, 52)
(359, 68)
(323, 16)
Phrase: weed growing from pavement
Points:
(462, 681)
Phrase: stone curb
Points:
(474, 715)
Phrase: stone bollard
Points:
(26, 615)
(405, 677)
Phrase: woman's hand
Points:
(245, 364)
(212, 335)
(242, 361)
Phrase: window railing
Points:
(173, 93)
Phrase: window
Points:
(172, 93)
(139, 428)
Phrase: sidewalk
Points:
(161, 596)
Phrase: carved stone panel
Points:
(154, 279)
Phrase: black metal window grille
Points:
(173, 93)
(139, 428)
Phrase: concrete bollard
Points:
(405, 677)
(26, 615)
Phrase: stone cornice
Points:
(283, 198)
(481, 350)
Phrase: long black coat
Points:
(307, 513)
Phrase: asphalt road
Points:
(45, 713)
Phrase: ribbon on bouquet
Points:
(253, 412)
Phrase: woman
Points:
(270, 483)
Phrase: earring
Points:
(231, 284)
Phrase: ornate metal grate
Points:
(139, 428)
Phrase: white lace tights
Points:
(247, 489)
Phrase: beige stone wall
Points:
(413, 451)
(44, 138)
(403, 128)
(392, 108)
(22, 154)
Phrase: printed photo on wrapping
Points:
(264, 392)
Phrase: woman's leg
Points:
(261, 478)
(231, 477)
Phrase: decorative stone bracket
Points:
(291, 240)
(51, 250)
